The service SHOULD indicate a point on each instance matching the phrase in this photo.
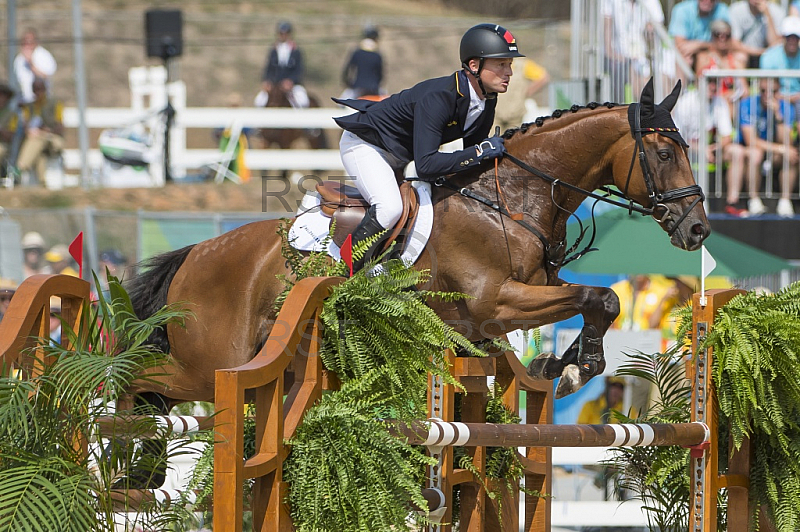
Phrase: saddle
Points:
(345, 205)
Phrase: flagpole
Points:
(703, 300)
(707, 265)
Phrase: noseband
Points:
(658, 200)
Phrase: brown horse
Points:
(284, 138)
(508, 265)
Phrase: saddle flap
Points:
(348, 216)
(337, 195)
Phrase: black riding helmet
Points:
(486, 41)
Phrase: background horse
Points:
(231, 281)
(285, 138)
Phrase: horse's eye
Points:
(664, 155)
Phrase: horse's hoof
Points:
(545, 367)
(570, 382)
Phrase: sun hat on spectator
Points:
(57, 253)
(790, 26)
(7, 286)
(32, 240)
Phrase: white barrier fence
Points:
(183, 159)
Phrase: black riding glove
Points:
(491, 148)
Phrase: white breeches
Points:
(372, 170)
(298, 97)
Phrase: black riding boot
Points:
(368, 227)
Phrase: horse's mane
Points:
(558, 113)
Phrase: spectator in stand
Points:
(629, 38)
(33, 255)
(7, 114)
(285, 69)
(7, 289)
(756, 114)
(60, 260)
(719, 128)
(518, 104)
(113, 261)
(755, 24)
(363, 73)
(33, 61)
(44, 130)
(644, 301)
(598, 410)
(690, 24)
(55, 320)
(784, 56)
(721, 56)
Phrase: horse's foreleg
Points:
(547, 304)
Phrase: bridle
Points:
(658, 200)
(557, 256)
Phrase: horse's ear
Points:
(669, 101)
(647, 99)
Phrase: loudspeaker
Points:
(164, 33)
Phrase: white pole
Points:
(80, 90)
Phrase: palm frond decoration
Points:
(52, 477)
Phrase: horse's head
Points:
(662, 181)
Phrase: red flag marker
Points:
(76, 250)
(346, 251)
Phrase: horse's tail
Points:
(148, 290)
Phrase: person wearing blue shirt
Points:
(785, 57)
(765, 121)
(690, 24)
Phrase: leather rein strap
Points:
(556, 257)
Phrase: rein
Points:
(556, 256)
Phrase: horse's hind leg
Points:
(148, 465)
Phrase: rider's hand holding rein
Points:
(491, 148)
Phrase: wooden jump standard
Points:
(295, 342)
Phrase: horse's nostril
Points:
(699, 229)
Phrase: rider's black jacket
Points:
(413, 123)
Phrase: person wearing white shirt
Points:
(33, 61)
(719, 128)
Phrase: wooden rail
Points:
(28, 314)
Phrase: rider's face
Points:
(496, 74)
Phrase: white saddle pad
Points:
(311, 228)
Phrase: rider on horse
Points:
(384, 136)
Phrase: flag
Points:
(346, 252)
(707, 263)
(76, 250)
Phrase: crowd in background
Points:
(751, 129)
(39, 258)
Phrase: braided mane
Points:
(539, 122)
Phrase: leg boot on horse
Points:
(582, 360)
